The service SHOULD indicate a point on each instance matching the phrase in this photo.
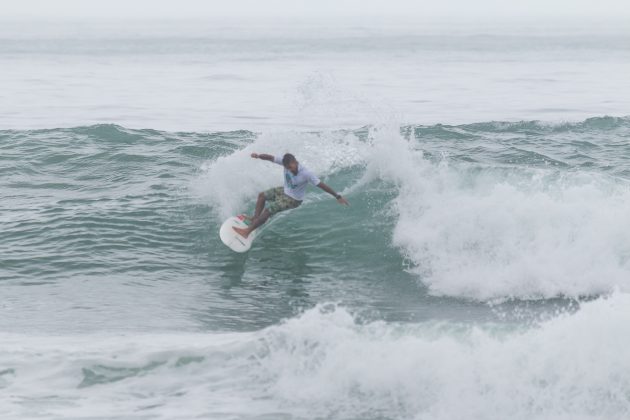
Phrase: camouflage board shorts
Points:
(278, 201)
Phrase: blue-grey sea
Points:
(482, 270)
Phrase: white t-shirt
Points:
(295, 185)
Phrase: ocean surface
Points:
(482, 270)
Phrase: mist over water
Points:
(481, 271)
(225, 75)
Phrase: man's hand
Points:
(343, 201)
(254, 155)
(332, 192)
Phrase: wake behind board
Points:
(233, 240)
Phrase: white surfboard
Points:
(233, 240)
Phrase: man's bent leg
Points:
(260, 220)
(260, 205)
(278, 202)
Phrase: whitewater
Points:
(481, 271)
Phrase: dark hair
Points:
(288, 158)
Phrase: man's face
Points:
(292, 166)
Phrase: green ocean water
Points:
(494, 246)
(104, 208)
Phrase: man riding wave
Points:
(296, 178)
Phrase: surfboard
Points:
(233, 240)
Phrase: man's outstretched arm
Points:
(263, 156)
(332, 192)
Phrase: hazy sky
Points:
(310, 8)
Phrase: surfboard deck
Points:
(233, 240)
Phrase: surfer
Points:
(296, 178)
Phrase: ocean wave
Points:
(329, 363)
(525, 210)
(503, 229)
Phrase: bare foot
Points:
(243, 232)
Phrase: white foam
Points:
(570, 367)
(325, 364)
(495, 232)
(231, 183)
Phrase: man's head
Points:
(290, 163)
